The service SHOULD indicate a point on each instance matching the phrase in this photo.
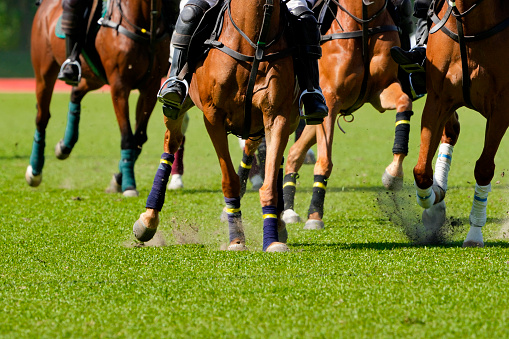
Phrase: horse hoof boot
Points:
(142, 232)
(471, 243)
(310, 158)
(176, 182)
(433, 218)
(131, 193)
(392, 183)
(291, 217)
(277, 247)
(237, 246)
(62, 152)
(313, 224)
(32, 180)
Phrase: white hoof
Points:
(32, 180)
(131, 193)
(392, 183)
(277, 247)
(257, 182)
(237, 247)
(142, 232)
(291, 217)
(176, 182)
(310, 158)
(59, 151)
(433, 218)
(114, 187)
(313, 224)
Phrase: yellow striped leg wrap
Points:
(163, 161)
(265, 216)
(242, 164)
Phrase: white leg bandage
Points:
(425, 197)
(443, 165)
(480, 201)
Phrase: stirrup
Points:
(66, 80)
(171, 108)
(308, 116)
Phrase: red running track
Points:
(27, 85)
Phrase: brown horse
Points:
(467, 65)
(219, 88)
(356, 68)
(131, 55)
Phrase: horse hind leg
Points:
(496, 127)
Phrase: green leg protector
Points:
(72, 128)
(37, 156)
(126, 167)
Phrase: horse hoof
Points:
(237, 247)
(114, 186)
(392, 183)
(142, 232)
(313, 224)
(32, 180)
(282, 232)
(433, 218)
(224, 216)
(257, 182)
(62, 152)
(310, 158)
(277, 247)
(471, 243)
(291, 217)
(131, 193)
(176, 182)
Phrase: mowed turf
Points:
(69, 266)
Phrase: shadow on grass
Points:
(384, 246)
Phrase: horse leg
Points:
(177, 170)
(146, 226)
(433, 218)
(46, 70)
(129, 146)
(296, 157)
(323, 169)
(496, 126)
(64, 147)
(393, 97)
(246, 164)
(271, 193)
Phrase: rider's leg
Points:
(307, 40)
(174, 90)
(413, 60)
(73, 24)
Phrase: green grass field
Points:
(69, 267)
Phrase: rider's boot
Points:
(175, 89)
(70, 71)
(413, 61)
(307, 34)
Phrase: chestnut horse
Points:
(219, 88)
(130, 50)
(466, 65)
(356, 68)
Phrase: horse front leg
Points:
(146, 226)
(64, 147)
(246, 164)
(322, 172)
(393, 97)
(496, 126)
(271, 193)
(296, 157)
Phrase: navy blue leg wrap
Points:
(402, 132)
(37, 156)
(234, 218)
(243, 173)
(155, 199)
(289, 187)
(270, 234)
(317, 200)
